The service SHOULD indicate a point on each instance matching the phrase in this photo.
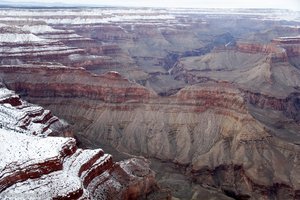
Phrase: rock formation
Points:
(206, 127)
(35, 165)
(213, 92)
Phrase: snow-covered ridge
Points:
(18, 37)
(20, 43)
(22, 117)
(92, 20)
(34, 149)
(82, 16)
(62, 177)
(102, 15)
(37, 29)
(77, 12)
(6, 93)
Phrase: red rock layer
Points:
(38, 169)
(70, 82)
(289, 105)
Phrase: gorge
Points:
(210, 96)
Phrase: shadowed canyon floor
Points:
(210, 96)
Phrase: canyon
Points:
(212, 95)
(39, 165)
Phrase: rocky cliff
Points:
(205, 127)
(36, 42)
(71, 82)
(215, 92)
(35, 165)
(257, 68)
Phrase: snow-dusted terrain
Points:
(36, 166)
(23, 117)
(102, 15)
(21, 38)
(32, 41)
(197, 81)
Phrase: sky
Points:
(284, 4)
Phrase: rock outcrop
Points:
(19, 45)
(38, 42)
(23, 117)
(35, 165)
(71, 82)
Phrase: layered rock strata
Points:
(36, 166)
(26, 118)
(205, 127)
(211, 129)
(61, 81)
(38, 42)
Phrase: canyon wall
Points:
(205, 127)
(35, 165)
(214, 92)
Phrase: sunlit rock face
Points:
(213, 91)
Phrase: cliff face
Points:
(35, 166)
(224, 110)
(289, 105)
(253, 67)
(206, 127)
(267, 73)
(20, 45)
(37, 42)
(282, 49)
(69, 82)
(27, 118)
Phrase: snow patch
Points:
(19, 38)
(40, 29)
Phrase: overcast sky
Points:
(284, 4)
